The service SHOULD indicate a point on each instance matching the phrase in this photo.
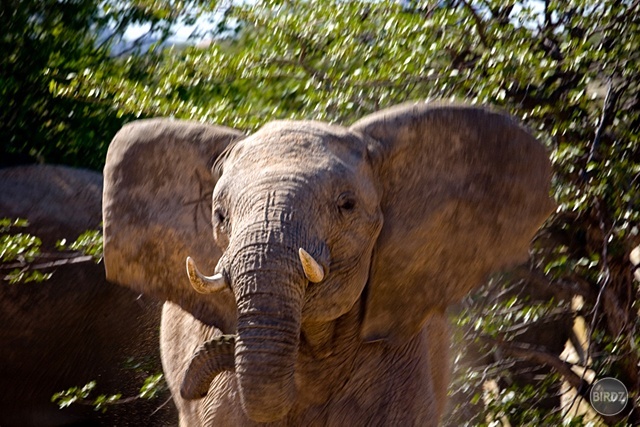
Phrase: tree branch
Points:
(532, 354)
(76, 259)
(479, 23)
(319, 75)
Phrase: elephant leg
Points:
(180, 335)
(437, 333)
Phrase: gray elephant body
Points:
(345, 383)
(75, 327)
(335, 251)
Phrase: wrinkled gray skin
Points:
(406, 211)
(75, 327)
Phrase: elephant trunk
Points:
(269, 285)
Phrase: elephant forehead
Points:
(308, 143)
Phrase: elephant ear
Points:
(464, 191)
(158, 183)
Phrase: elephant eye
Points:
(220, 218)
(346, 201)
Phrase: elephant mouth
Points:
(209, 360)
(267, 335)
(217, 355)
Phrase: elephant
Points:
(334, 252)
(75, 327)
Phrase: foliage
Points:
(24, 261)
(18, 245)
(49, 47)
(87, 243)
(21, 247)
(81, 394)
(152, 386)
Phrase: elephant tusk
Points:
(204, 284)
(313, 270)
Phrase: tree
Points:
(49, 47)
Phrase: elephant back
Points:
(59, 201)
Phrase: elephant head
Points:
(402, 213)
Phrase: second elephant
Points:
(75, 327)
